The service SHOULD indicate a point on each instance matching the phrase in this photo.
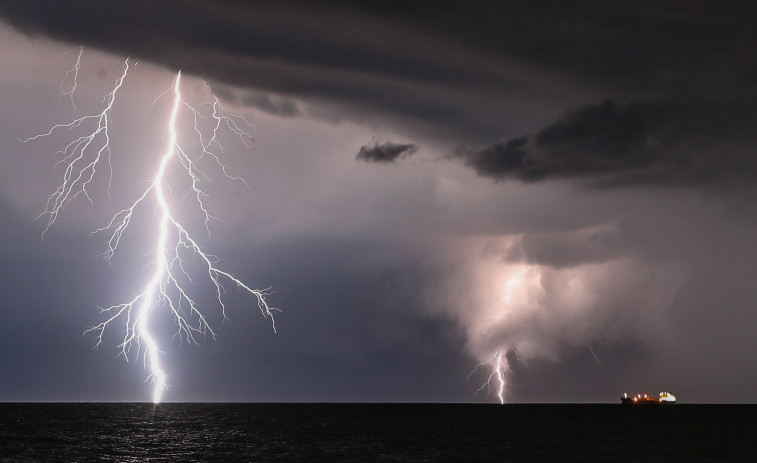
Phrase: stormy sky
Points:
(430, 183)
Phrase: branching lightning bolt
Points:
(498, 365)
(519, 358)
(72, 76)
(83, 157)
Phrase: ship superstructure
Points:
(665, 398)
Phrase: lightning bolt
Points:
(72, 75)
(166, 287)
(593, 354)
(498, 365)
(519, 358)
(82, 156)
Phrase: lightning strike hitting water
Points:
(498, 364)
(166, 286)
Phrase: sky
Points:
(570, 184)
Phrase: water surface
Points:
(138, 432)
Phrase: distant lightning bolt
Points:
(166, 286)
(72, 76)
(498, 365)
(519, 358)
(593, 354)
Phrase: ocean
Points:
(215, 432)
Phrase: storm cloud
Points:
(384, 153)
(429, 73)
(610, 144)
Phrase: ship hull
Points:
(666, 398)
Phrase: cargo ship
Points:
(666, 398)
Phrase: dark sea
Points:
(193, 432)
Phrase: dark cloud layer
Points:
(450, 70)
(680, 48)
(613, 144)
(296, 50)
(385, 153)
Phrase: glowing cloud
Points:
(515, 303)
